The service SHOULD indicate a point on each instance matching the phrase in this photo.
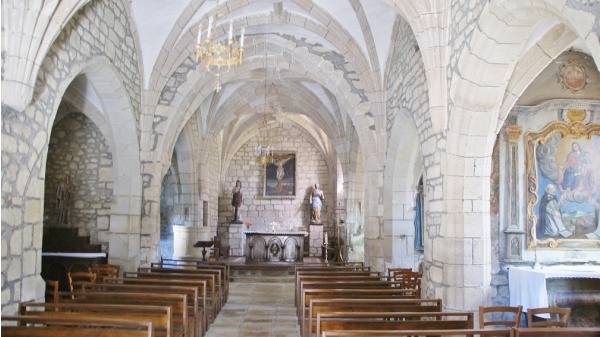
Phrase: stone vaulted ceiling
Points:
(167, 31)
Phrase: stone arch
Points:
(124, 236)
(403, 170)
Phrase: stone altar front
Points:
(267, 246)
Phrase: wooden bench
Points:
(202, 300)
(393, 321)
(199, 264)
(507, 332)
(366, 283)
(302, 277)
(160, 316)
(222, 288)
(32, 326)
(309, 294)
(191, 292)
(182, 320)
(366, 305)
(341, 274)
(211, 285)
(556, 332)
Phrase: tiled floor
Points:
(257, 309)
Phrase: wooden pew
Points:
(305, 275)
(366, 305)
(507, 332)
(160, 316)
(349, 283)
(393, 321)
(191, 292)
(557, 332)
(203, 300)
(182, 320)
(309, 294)
(32, 326)
(199, 264)
(211, 285)
(219, 284)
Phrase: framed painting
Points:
(563, 186)
(280, 176)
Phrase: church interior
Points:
(458, 139)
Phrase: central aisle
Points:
(257, 309)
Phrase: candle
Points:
(199, 34)
(326, 241)
(230, 30)
(210, 22)
(242, 37)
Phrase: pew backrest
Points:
(366, 305)
(71, 326)
(393, 321)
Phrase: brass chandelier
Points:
(219, 54)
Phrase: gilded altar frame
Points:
(550, 159)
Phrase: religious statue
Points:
(316, 201)
(64, 199)
(236, 202)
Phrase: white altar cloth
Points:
(527, 286)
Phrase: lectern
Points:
(204, 245)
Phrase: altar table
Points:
(276, 246)
(527, 286)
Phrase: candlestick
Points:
(210, 22)
(199, 34)
(326, 241)
(242, 37)
(230, 30)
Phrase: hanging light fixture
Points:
(218, 54)
(264, 153)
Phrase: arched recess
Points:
(403, 169)
(460, 273)
(122, 135)
(355, 198)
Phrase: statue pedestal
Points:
(184, 238)
(315, 233)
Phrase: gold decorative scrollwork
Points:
(575, 130)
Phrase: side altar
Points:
(278, 246)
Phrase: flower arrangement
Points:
(248, 224)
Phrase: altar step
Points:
(262, 272)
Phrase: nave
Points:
(257, 309)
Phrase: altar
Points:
(279, 246)
(527, 286)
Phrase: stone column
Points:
(514, 233)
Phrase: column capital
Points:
(513, 132)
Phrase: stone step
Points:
(262, 273)
(262, 279)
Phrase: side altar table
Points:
(277, 246)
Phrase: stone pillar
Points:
(237, 239)
(515, 235)
(315, 234)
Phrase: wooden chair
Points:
(52, 294)
(103, 271)
(512, 321)
(395, 274)
(412, 280)
(559, 317)
(78, 279)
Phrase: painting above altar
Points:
(563, 167)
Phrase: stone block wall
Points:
(78, 147)
(311, 168)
